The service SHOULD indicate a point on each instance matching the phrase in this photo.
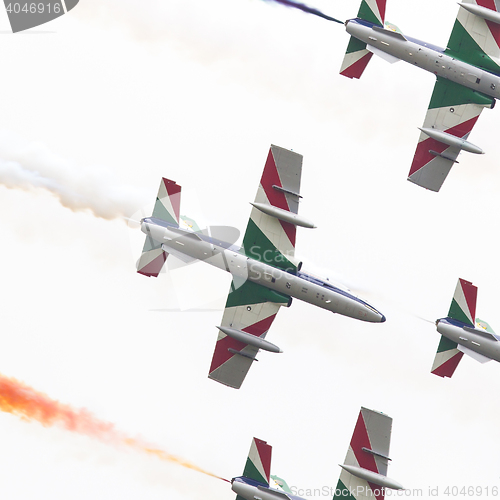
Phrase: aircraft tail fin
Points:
(372, 11)
(258, 464)
(447, 358)
(167, 207)
(463, 305)
(357, 55)
(356, 59)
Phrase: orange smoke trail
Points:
(19, 399)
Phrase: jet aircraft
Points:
(266, 275)
(467, 72)
(363, 476)
(461, 332)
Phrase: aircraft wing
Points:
(268, 237)
(369, 451)
(454, 109)
(250, 308)
(475, 39)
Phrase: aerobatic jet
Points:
(461, 332)
(266, 275)
(363, 476)
(467, 78)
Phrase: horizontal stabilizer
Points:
(484, 326)
(447, 358)
(279, 482)
(356, 59)
(152, 259)
(473, 354)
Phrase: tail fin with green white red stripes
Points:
(463, 311)
(463, 304)
(258, 464)
(167, 207)
(357, 55)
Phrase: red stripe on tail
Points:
(448, 368)
(173, 189)
(154, 267)
(265, 451)
(470, 292)
(356, 69)
(381, 8)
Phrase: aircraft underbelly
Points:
(249, 492)
(470, 340)
(307, 291)
(427, 58)
(244, 268)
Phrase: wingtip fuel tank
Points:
(452, 140)
(249, 339)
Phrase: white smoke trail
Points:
(31, 166)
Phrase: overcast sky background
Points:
(106, 100)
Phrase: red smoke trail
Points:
(305, 8)
(19, 399)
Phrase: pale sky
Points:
(105, 101)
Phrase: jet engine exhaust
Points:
(26, 403)
(306, 8)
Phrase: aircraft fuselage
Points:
(426, 56)
(250, 490)
(475, 339)
(233, 260)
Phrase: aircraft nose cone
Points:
(382, 320)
